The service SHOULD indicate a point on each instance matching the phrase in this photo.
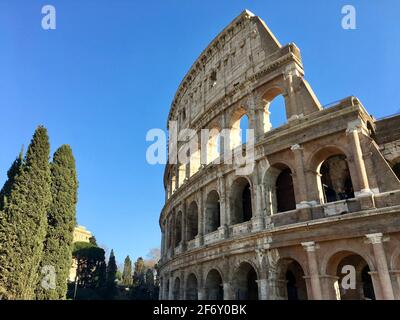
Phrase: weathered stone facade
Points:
(323, 194)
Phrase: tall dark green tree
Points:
(23, 222)
(127, 277)
(90, 273)
(111, 286)
(61, 222)
(12, 173)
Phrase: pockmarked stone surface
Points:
(318, 217)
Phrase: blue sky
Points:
(109, 71)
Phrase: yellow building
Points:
(81, 234)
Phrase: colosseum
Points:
(317, 217)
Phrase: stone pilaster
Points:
(310, 248)
(381, 265)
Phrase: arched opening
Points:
(213, 145)
(276, 113)
(335, 179)
(177, 289)
(239, 125)
(291, 283)
(241, 201)
(244, 126)
(352, 279)
(284, 191)
(213, 212)
(279, 189)
(182, 174)
(214, 287)
(192, 221)
(274, 110)
(396, 170)
(245, 282)
(194, 162)
(191, 287)
(178, 228)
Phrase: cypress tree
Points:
(61, 222)
(111, 276)
(12, 173)
(127, 279)
(24, 222)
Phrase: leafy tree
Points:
(23, 222)
(12, 173)
(93, 240)
(127, 279)
(111, 287)
(91, 271)
(61, 223)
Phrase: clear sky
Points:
(109, 71)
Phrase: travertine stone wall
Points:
(299, 252)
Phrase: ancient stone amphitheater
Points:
(318, 217)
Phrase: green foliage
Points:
(93, 240)
(127, 279)
(111, 286)
(61, 222)
(23, 222)
(144, 285)
(91, 267)
(12, 173)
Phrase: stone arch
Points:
(333, 176)
(279, 188)
(214, 288)
(192, 222)
(211, 143)
(177, 289)
(178, 228)
(245, 281)
(192, 286)
(270, 96)
(336, 269)
(290, 281)
(235, 137)
(212, 212)
(241, 200)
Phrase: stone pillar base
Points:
(257, 223)
(223, 232)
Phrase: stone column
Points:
(262, 289)
(381, 265)
(171, 288)
(310, 248)
(228, 294)
(223, 229)
(184, 226)
(202, 293)
(362, 178)
(200, 234)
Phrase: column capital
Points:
(309, 246)
(296, 147)
(375, 238)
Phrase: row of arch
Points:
(334, 182)
(289, 282)
(218, 139)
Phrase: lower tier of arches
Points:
(363, 268)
